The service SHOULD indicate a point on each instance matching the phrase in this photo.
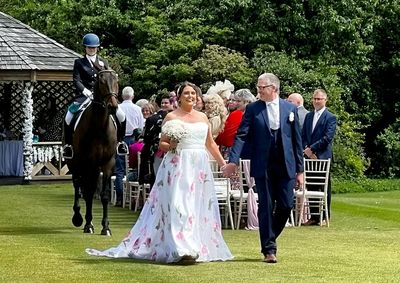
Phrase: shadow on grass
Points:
(102, 260)
(32, 230)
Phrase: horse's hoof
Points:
(106, 232)
(88, 230)
(77, 220)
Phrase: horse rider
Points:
(84, 78)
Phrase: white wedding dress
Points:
(181, 216)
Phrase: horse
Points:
(94, 144)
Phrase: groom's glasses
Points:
(262, 87)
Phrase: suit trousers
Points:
(275, 197)
(120, 169)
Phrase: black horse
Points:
(94, 145)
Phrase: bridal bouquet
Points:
(174, 130)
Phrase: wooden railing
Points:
(48, 163)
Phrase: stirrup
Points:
(67, 151)
(122, 148)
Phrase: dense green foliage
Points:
(350, 48)
(364, 185)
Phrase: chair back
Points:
(222, 187)
(316, 173)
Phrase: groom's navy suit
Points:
(275, 159)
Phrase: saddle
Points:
(78, 111)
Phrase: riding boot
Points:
(122, 147)
(68, 151)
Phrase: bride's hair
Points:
(181, 86)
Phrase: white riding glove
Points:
(87, 93)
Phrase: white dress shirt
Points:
(317, 114)
(134, 116)
(273, 113)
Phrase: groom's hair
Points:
(271, 79)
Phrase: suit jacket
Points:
(151, 139)
(302, 115)
(320, 140)
(255, 129)
(85, 75)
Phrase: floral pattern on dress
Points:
(181, 215)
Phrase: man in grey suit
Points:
(271, 125)
(298, 100)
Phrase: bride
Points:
(180, 220)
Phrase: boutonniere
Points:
(291, 117)
(101, 63)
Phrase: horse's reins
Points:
(109, 95)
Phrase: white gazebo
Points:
(33, 69)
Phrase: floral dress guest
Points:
(180, 220)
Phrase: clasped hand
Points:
(229, 170)
(308, 152)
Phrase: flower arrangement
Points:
(174, 130)
(27, 103)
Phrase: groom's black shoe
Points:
(270, 258)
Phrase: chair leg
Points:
(130, 196)
(123, 196)
(326, 213)
(239, 215)
(301, 211)
(230, 216)
(292, 218)
(137, 197)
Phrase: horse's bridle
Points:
(110, 94)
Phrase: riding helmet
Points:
(91, 40)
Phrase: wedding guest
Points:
(243, 97)
(318, 132)
(141, 102)
(223, 89)
(216, 113)
(134, 120)
(226, 137)
(180, 221)
(298, 100)
(147, 110)
(134, 149)
(200, 106)
(151, 139)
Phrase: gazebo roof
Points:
(26, 54)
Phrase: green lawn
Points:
(39, 244)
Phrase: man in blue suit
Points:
(271, 125)
(317, 134)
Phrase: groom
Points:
(271, 125)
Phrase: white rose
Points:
(291, 117)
